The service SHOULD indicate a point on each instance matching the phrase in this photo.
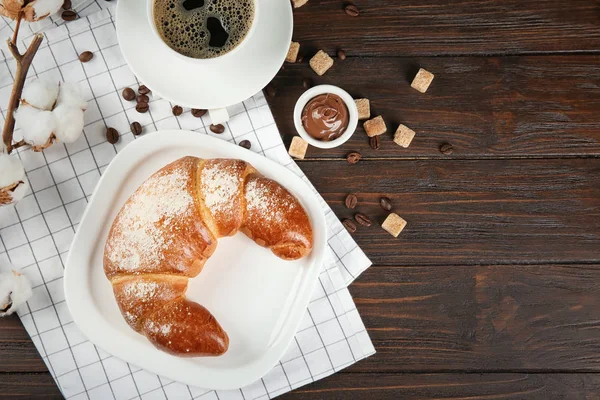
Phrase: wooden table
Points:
(493, 289)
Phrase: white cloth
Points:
(35, 235)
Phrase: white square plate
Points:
(258, 298)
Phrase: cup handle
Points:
(218, 116)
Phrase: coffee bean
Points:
(177, 110)
(136, 128)
(351, 201)
(69, 15)
(246, 144)
(447, 149)
(141, 107)
(306, 83)
(217, 128)
(341, 54)
(351, 10)
(362, 219)
(349, 225)
(375, 142)
(300, 59)
(66, 5)
(128, 94)
(271, 90)
(143, 89)
(385, 203)
(86, 56)
(112, 135)
(143, 98)
(197, 112)
(353, 158)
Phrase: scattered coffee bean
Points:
(66, 5)
(197, 112)
(349, 225)
(246, 144)
(128, 94)
(306, 83)
(217, 128)
(177, 110)
(353, 157)
(271, 90)
(86, 56)
(362, 219)
(136, 128)
(143, 89)
(447, 149)
(341, 54)
(300, 59)
(351, 10)
(142, 107)
(143, 98)
(351, 201)
(69, 15)
(112, 135)
(375, 142)
(385, 203)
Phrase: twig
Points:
(23, 63)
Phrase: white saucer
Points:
(214, 84)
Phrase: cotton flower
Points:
(69, 123)
(13, 184)
(15, 289)
(40, 94)
(70, 94)
(37, 125)
(31, 10)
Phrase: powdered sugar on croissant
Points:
(169, 227)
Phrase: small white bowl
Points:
(314, 92)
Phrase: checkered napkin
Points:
(35, 234)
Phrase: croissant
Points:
(168, 229)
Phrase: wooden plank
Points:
(471, 211)
(455, 386)
(17, 351)
(28, 386)
(432, 27)
(481, 318)
(484, 106)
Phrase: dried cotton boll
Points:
(69, 123)
(40, 94)
(13, 183)
(70, 94)
(37, 125)
(33, 11)
(15, 290)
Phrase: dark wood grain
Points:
(454, 386)
(28, 386)
(17, 352)
(434, 27)
(486, 107)
(481, 318)
(471, 212)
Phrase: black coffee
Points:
(203, 28)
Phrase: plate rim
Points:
(83, 317)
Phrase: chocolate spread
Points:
(325, 117)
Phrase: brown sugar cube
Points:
(292, 54)
(403, 136)
(299, 3)
(422, 80)
(375, 126)
(298, 148)
(394, 224)
(364, 108)
(321, 62)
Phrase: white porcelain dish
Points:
(352, 115)
(216, 83)
(258, 298)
